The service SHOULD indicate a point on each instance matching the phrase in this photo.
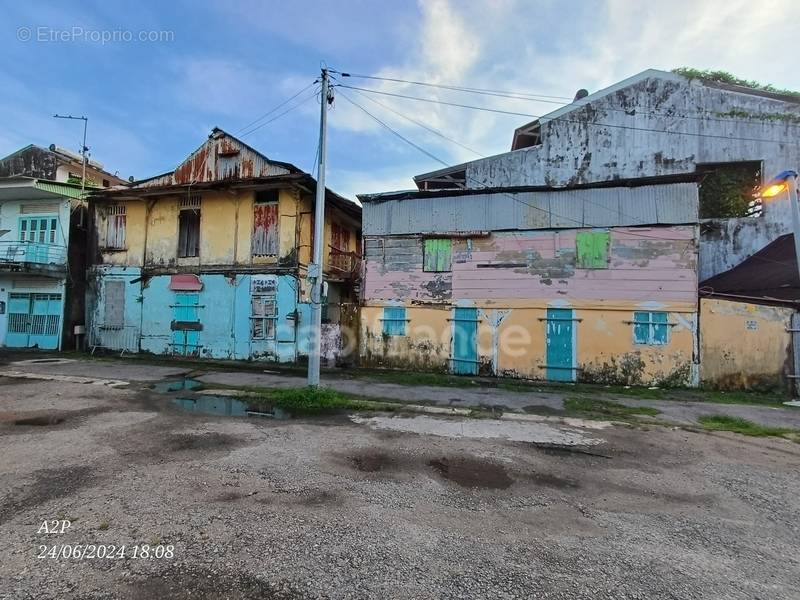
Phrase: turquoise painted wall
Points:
(224, 312)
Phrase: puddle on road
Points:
(41, 421)
(226, 407)
(514, 431)
(177, 385)
(472, 472)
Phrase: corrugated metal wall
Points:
(671, 204)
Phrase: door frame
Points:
(453, 360)
(573, 343)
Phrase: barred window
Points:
(264, 313)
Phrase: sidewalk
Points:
(486, 397)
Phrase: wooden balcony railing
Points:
(344, 264)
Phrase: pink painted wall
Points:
(645, 264)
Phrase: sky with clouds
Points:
(151, 103)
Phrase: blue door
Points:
(34, 321)
(465, 341)
(560, 340)
(186, 324)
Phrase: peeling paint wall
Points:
(725, 243)
(226, 228)
(512, 278)
(224, 313)
(744, 345)
(516, 347)
(645, 264)
(575, 149)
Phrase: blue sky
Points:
(226, 63)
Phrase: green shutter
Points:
(592, 249)
(438, 254)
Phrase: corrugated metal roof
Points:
(669, 204)
(221, 157)
(62, 189)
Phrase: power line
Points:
(494, 110)
(269, 112)
(423, 125)
(566, 120)
(434, 157)
(698, 115)
(488, 92)
(279, 115)
(405, 139)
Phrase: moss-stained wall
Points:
(744, 345)
(511, 340)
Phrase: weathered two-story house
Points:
(593, 283)
(210, 259)
(42, 254)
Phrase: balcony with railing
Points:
(343, 264)
(33, 257)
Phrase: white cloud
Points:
(516, 45)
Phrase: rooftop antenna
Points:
(84, 149)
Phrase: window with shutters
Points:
(265, 224)
(591, 249)
(394, 320)
(189, 227)
(650, 328)
(116, 221)
(114, 305)
(264, 313)
(438, 255)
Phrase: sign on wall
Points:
(263, 284)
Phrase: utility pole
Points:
(315, 268)
(84, 149)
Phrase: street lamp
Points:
(787, 182)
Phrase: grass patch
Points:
(606, 408)
(743, 426)
(741, 397)
(417, 378)
(314, 401)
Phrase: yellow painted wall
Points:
(605, 348)
(226, 225)
(744, 345)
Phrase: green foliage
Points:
(725, 77)
(743, 426)
(606, 408)
(313, 401)
(728, 191)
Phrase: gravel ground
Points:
(332, 508)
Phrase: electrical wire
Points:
(423, 125)
(279, 115)
(700, 116)
(401, 136)
(269, 112)
(489, 92)
(516, 199)
(564, 119)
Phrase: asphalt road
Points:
(377, 507)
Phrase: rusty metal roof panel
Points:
(222, 157)
(669, 204)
